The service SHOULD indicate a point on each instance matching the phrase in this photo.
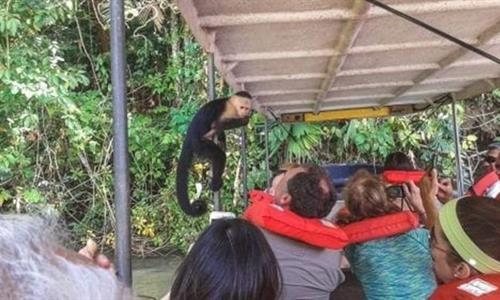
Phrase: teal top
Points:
(397, 267)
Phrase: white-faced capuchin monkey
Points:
(210, 122)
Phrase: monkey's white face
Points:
(243, 106)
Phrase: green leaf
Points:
(33, 196)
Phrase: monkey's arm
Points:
(234, 123)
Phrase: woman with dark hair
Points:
(230, 260)
(465, 246)
(398, 161)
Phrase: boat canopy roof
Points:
(304, 59)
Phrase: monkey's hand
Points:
(210, 135)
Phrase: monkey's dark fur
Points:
(196, 144)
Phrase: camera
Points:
(394, 191)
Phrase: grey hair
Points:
(494, 146)
(32, 267)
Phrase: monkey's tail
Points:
(198, 207)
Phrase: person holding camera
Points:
(413, 189)
(385, 264)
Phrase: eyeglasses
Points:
(432, 241)
(434, 246)
(489, 159)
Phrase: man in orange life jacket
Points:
(308, 272)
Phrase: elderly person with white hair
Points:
(35, 265)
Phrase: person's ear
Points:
(462, 271)
(285, 199)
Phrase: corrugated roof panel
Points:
(321, 55)
(280, 66)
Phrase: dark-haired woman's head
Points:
(230, 260)
(398, 161)
(466, 238)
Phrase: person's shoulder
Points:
(291, 246)
(421, 233)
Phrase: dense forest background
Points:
(55, 122)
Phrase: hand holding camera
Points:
(412, 194)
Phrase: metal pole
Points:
(266, 139)
(244, 163)
(211, 77)
(120, 140)
(460, 177)
(211, 96)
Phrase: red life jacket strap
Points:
(381, 227)
(400, 177)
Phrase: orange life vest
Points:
(264, 213)
(482, 185)
(481, 287)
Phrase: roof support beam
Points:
(278, 55)
(269, 18)
(432, 92)
(403, 46)
(346, 39)
(411, 68)
(385, 70)
(348, 98)
(372, 85)
(285, 92)
(456, 79)
(288, 102)
(280, 77)
(354, 50)
(449, 60)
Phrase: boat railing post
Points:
(244, 164)
(120, 143)
(458, 161)
(211, 97)
(266, 140)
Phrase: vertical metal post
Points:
(266, 139)
(244, 163)
(120, 140)
(211, 77)
(460, 177)
(211, 96)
